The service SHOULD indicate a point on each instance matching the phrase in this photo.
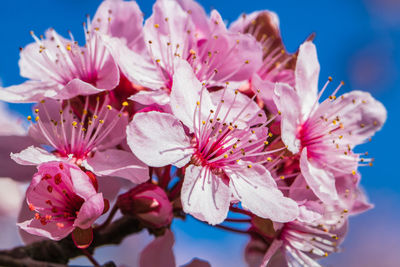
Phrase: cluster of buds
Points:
(203, 119)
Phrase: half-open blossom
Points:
(217, 154)
(181, 30)
(87, 138)
(63, 198)
(325, 133)
(149, 203)
(59, 68)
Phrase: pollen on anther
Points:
(249, 166)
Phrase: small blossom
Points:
(325, 134)
(63, 198)
(60, 69)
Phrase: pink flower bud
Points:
(148, 203)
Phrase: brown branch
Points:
(48, 253)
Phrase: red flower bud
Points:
(149, 203)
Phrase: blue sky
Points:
(358, 41)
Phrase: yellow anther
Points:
(282, 177)
(37, 110)
(370, 164)
(95, 116)
(226, 156)
(101, 121)
(109, 107)
(353, 172)
(74, 123)
(29, 118)
(266, 143)
(37, 118)
(330, 78)
(249, 166)
(247, 62)
(203, 122)
(269, 159)
(220, 130)
(69, 47)
(156, 26)
(85, 112)
(345, 210)
(125, 104)
(270, 134)
(198, 103)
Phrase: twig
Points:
(48, 253)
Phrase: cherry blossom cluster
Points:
(199, 118)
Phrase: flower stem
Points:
(90, 258)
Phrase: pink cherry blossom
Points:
(217, 155)
(63, 198)
(181, 30)
(324, 134)
(60, 69)
(87, 138)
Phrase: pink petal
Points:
(26, 214)
(123, 20)
(198, 16)
(186, 91)
(233, 63)
(320, 180)
(310, 212)
(158, 139)
(238, 104)
(205, 195)
(266, 92)
(138, 68)
(29, 92)
(33, 156)
(288, 102)
(361, 114)
(77, 87)
(173, 30)
(306, 75)
(82, 185)
(90, 211)
(258, 192)
(50, 230)
(124, 164)
(159, 252)
(159, 97)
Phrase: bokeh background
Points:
(358, 42)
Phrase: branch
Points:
(48, 253)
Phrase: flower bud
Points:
(149, 203)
